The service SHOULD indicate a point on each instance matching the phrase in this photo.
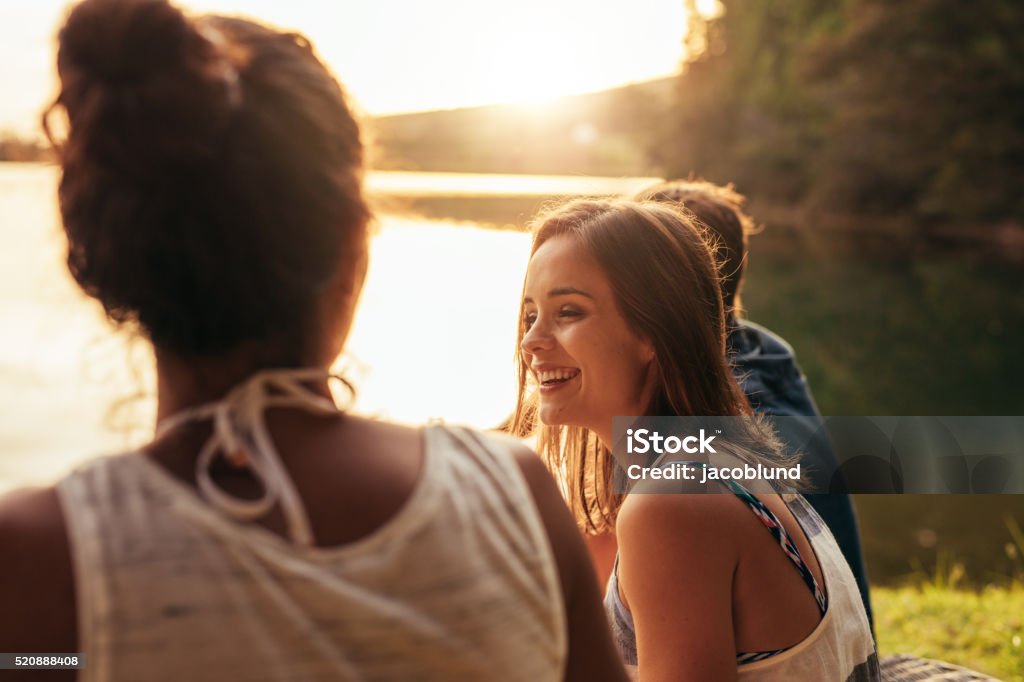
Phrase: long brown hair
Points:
(666, 283)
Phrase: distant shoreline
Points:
(510, 200)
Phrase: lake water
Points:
(433, 337)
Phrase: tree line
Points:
(14, 147)
(874, 108)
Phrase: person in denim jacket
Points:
(764, 363)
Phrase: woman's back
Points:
(841, 646)
(211, 194)
(460, 583)
(768, 599)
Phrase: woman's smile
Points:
(551, 380)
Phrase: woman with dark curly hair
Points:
(212, 200)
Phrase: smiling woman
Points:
(621, 297)
(622, 315)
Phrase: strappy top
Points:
(836, 573)
(778, 531)
(240, 434)
(460, 584)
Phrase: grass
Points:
(935, 615)
(979, 629)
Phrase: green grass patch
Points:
(941, 612)
(979, 629)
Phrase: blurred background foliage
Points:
(884, 108)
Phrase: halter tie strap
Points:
(240, 434)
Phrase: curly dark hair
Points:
(212, 175)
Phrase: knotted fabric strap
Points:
(240, 434)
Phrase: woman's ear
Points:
(649, 353)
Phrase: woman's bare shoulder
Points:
(677, 561)
(36, 581)
(382, 432)
(30, 517)
(666, 524)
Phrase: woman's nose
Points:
(536, 339)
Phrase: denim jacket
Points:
(766, 369)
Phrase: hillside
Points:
(603, 133)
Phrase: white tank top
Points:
(460, 584)
(840, 648)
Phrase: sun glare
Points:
(533, 77)
(537, 53)
(397, 56)
(709, 8)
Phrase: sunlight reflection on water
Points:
(433, 337)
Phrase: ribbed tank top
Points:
(460, 584)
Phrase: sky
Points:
(407, 55)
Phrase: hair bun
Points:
(126, 41)
(139, 75)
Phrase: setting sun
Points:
(397, 56)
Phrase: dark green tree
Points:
(903, 108)
(927, 109)
(744, 113)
